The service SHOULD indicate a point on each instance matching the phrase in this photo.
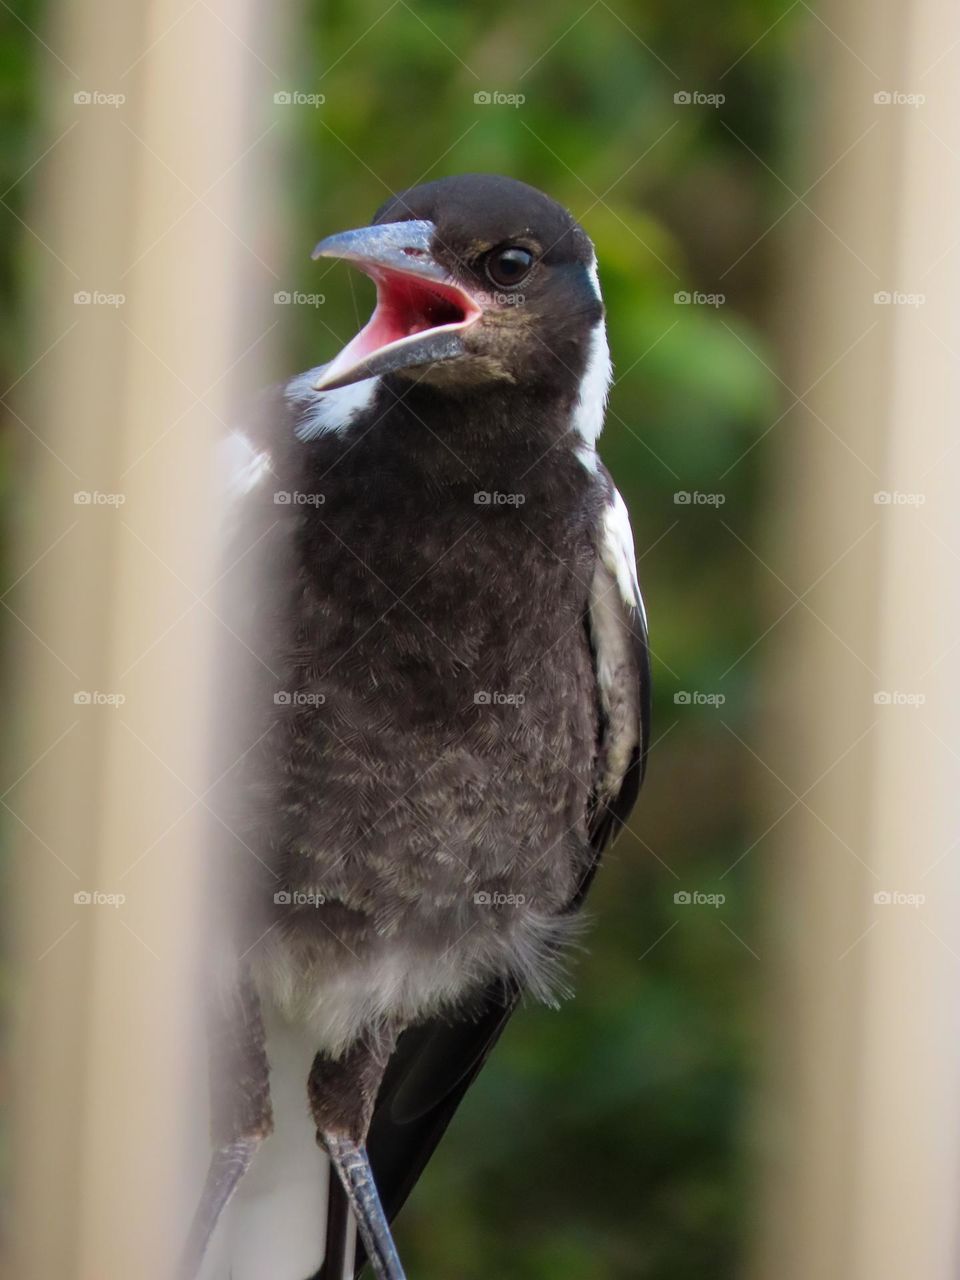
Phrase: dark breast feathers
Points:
(431, 714)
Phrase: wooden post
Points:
(862, 1116)
(152, 289)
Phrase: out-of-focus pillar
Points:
(862, 1114)
(142, 233)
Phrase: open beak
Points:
(421, 312)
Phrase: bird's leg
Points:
(241, 1115)
(343, 1093)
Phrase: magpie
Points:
(447, 702)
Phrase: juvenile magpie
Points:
(450, 691)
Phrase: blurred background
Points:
(652, 1128)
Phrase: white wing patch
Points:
(325, 411)
(618, 554)
(614, 593)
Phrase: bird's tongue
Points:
(417, 320)
(405, 306)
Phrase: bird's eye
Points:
(508, 267)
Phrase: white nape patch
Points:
(594, 385)
(321, 412)
(594, 388)
(595, 278)
(244, 465)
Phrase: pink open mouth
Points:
(408, 306)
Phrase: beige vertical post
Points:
(863, 1112)
(142, 235)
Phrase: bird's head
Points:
(480, 279)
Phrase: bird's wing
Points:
(617, 627)
(434, 1064)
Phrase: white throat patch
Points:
(325, 411)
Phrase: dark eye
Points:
(507, 267)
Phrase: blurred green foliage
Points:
(21, 133)
(610, 1140)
